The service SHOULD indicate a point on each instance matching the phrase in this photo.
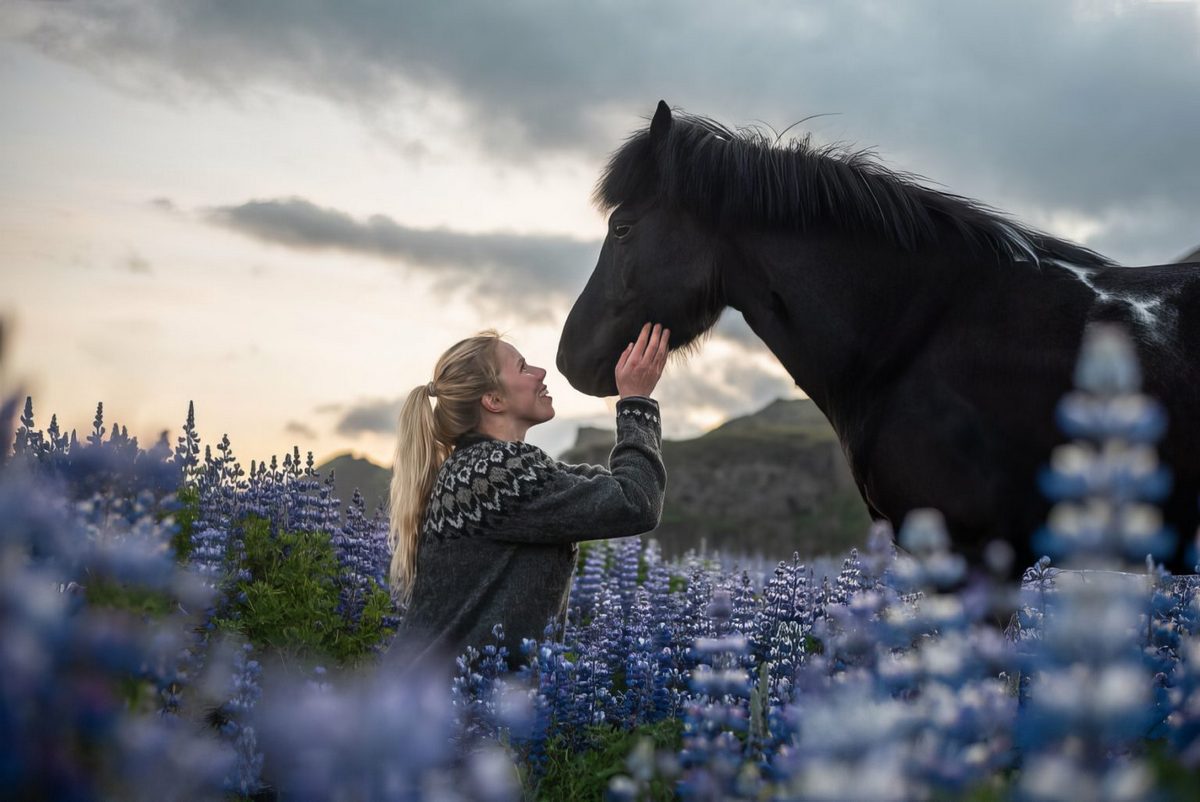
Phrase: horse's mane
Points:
(746, 177)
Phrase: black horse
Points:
(934, 333)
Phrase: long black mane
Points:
(745, 177)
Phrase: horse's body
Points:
(936, 335)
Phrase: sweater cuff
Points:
(640, 412)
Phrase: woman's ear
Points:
(492, 402)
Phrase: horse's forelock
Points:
(629, 173)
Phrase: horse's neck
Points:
(839, 315)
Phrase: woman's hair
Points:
(464, 374)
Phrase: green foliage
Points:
(997, 789)
(123, 601)
(291, 599)
(1173, 779)
(584, 775)
(106, 592)
(188, 498)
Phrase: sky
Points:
(285, 210)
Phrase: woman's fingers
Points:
(641, 363)
(639, 348)
(624, 358)
(652, 343)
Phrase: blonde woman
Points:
(484, 526)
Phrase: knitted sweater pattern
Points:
(483, 477)
(479, 479)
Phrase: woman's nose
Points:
(541, 373)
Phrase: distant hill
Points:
(770, 483)
(1194, 256)
(355, 472)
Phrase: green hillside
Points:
(773, 482)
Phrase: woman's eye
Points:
(621, 231)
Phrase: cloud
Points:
(1031, 104)
(301, 429)
(370, 417)
(497, 269)
(541, 273)
(732, 328)
(164, 204)
(136, 263)
(692, 400)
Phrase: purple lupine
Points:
(68, 732)
(625, 571)
(637, 703)
(600, 658)
(329, 515)
(246, 778)
(587, 585)
(352, 543)
(187, 452)
(1093, 696)
(783, 625)
(353, 736)
(712, 756)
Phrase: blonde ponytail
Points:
(425, 439)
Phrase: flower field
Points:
(175, 626)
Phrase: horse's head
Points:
(657, 264)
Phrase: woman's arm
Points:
(584, 469)
(565, 506)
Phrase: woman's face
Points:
(525, 395)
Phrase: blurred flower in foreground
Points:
(1090, 694)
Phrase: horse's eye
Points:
(620, 232)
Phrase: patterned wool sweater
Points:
(498, 541)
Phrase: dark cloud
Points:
(541, 273)
(1043, 107)
(370, 417)
(538, 273)
(301, 429)
(164, 205)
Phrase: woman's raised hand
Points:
(642, 362)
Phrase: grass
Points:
(585, 775)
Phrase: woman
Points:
(484, 526)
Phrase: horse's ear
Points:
(661, 124)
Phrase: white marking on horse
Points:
(1145, 309)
